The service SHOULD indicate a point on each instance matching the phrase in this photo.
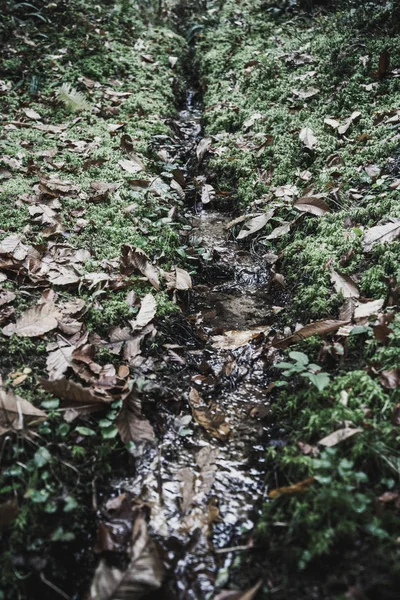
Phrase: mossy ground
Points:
(253, 55)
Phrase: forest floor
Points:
(199, 290)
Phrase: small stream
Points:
(205, 484)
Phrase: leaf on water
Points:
(390, 379)
(308, 138)
(298, 488)
(317, 328)
(214, 424)
(17, 413)
(339, 436)
(131, 424)
(207, 193)
(381, 234)
(279, 231)
(233, 339)
(34, 322)
(345, 285)
(312, 205)
(147, 312)
(144, 574)
(255, 224)
(367, 309)
(232, 595)
(134, 259)
(202, 148)
(131, 166)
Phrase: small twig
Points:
(233, 549)
(54, 587)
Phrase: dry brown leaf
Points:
(312, 205)
(298, 488)
(147, 312)
(75, 395)
(390, 379)
(339, 436)
(308, 138)
(134, 259)
(317, 328)
(131, 166)
(131, 424)
(368, 308)
(255, 224)
(233, 339)
(59, 359)
(381, 234)
(17, 413)
(345, 285)
(214, 424)
(144, 573)
(34, 322)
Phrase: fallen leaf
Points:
(308, 138)
(202, 148)
(313, 205)
(134, 259)
(147, 312)
(231, 595)
(131, 166)
(178, 279)
(345, 285)
(59, 359)
(32, 114)
(303, 94)
(342, 129)
(34, 322)
(298, 488)
(279, 231)
(255, 224)
(17, 413)
(144, 573)
(233, 339)
(316, 328)
(131, 424)
(332, 123)
(75, 395)
(207, 193)
(381, 234)
(368, 308)
(390, 379)
(372, 171)
(384, 64)
(212, 422)
(339, 436)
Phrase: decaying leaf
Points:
(345, 285)
(144, 573)
(298, 488)
(147, 312)
(316, 328)
(213, 423)
(131, 424)
(233, 339)
(339, 436)
(59, 359)
(255, 224)
(134, 259)
(312, 205)
(279, 231)
(75, 395)
(36, 321)
(381, 234)
(17, 413)
(303, 94)
(308, 138)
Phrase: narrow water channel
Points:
(205, 480)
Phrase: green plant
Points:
(72, 99)
(301, 365)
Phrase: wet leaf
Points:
(308, 138)
(316, 328)
(207, 193)
(213, 423)
(345, 285)
(34, 322)
(131, 424)
(144, 574)
(381, 234)
(17, 413)
(339, 436)
(255, 224)
(298, 488)
(312, 205)
(233, 339)
(390, 379)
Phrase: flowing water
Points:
(205, 483)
